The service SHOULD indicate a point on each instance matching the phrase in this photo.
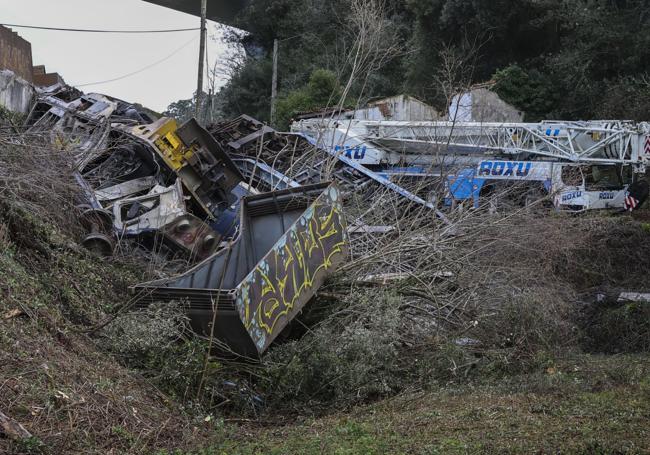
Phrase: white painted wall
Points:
(16, 94)
(482, 105)
(397, 108)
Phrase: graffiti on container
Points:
(287, 277)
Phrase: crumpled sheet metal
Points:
(157, 181)
(82, 124)
(158, 207)
(288, 276)
(289, 242)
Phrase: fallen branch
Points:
(13, 429)
(12, 314)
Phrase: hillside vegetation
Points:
(553, 59)
(496, 333)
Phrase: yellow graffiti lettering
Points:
(294, 268)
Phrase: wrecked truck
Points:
(255, 258)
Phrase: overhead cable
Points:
(58, 29)
(141, 69)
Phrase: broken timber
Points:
(13, 429)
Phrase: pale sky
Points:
(83, 58)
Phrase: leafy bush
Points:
(11, 118)
(351, 356)
(530, 91)
(371, 346)
(615, 327)
(156, 342)
(624, 98)
(530, 327)
(322, 90)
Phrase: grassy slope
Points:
(589, 404)
(72, 396)
(75, 398)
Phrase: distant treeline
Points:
(560, 59)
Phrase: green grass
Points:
(590, 405)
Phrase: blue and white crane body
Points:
(575, 162)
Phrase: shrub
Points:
(156, 341)
(322, 90)
(530, 91)
(616, 327)
(351, 356)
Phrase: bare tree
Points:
(374, 43)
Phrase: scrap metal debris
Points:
(288, 242)
(581, 165)
(300, 159)
(255, 214)
(256, 258)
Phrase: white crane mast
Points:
(390, 142)
(476, 152)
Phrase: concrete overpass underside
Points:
(223, 11)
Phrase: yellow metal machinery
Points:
(169, 145)
(205, 170)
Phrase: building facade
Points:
(15, 54)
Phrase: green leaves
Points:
(323, 90)
(531, 91)
(568, 59)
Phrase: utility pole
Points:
(199, 85)
(274, 83)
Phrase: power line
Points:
(101, 31)
(141, 69)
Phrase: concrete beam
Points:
(223, 11)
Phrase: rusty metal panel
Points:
(289, 275)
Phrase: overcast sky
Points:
(83, 58)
